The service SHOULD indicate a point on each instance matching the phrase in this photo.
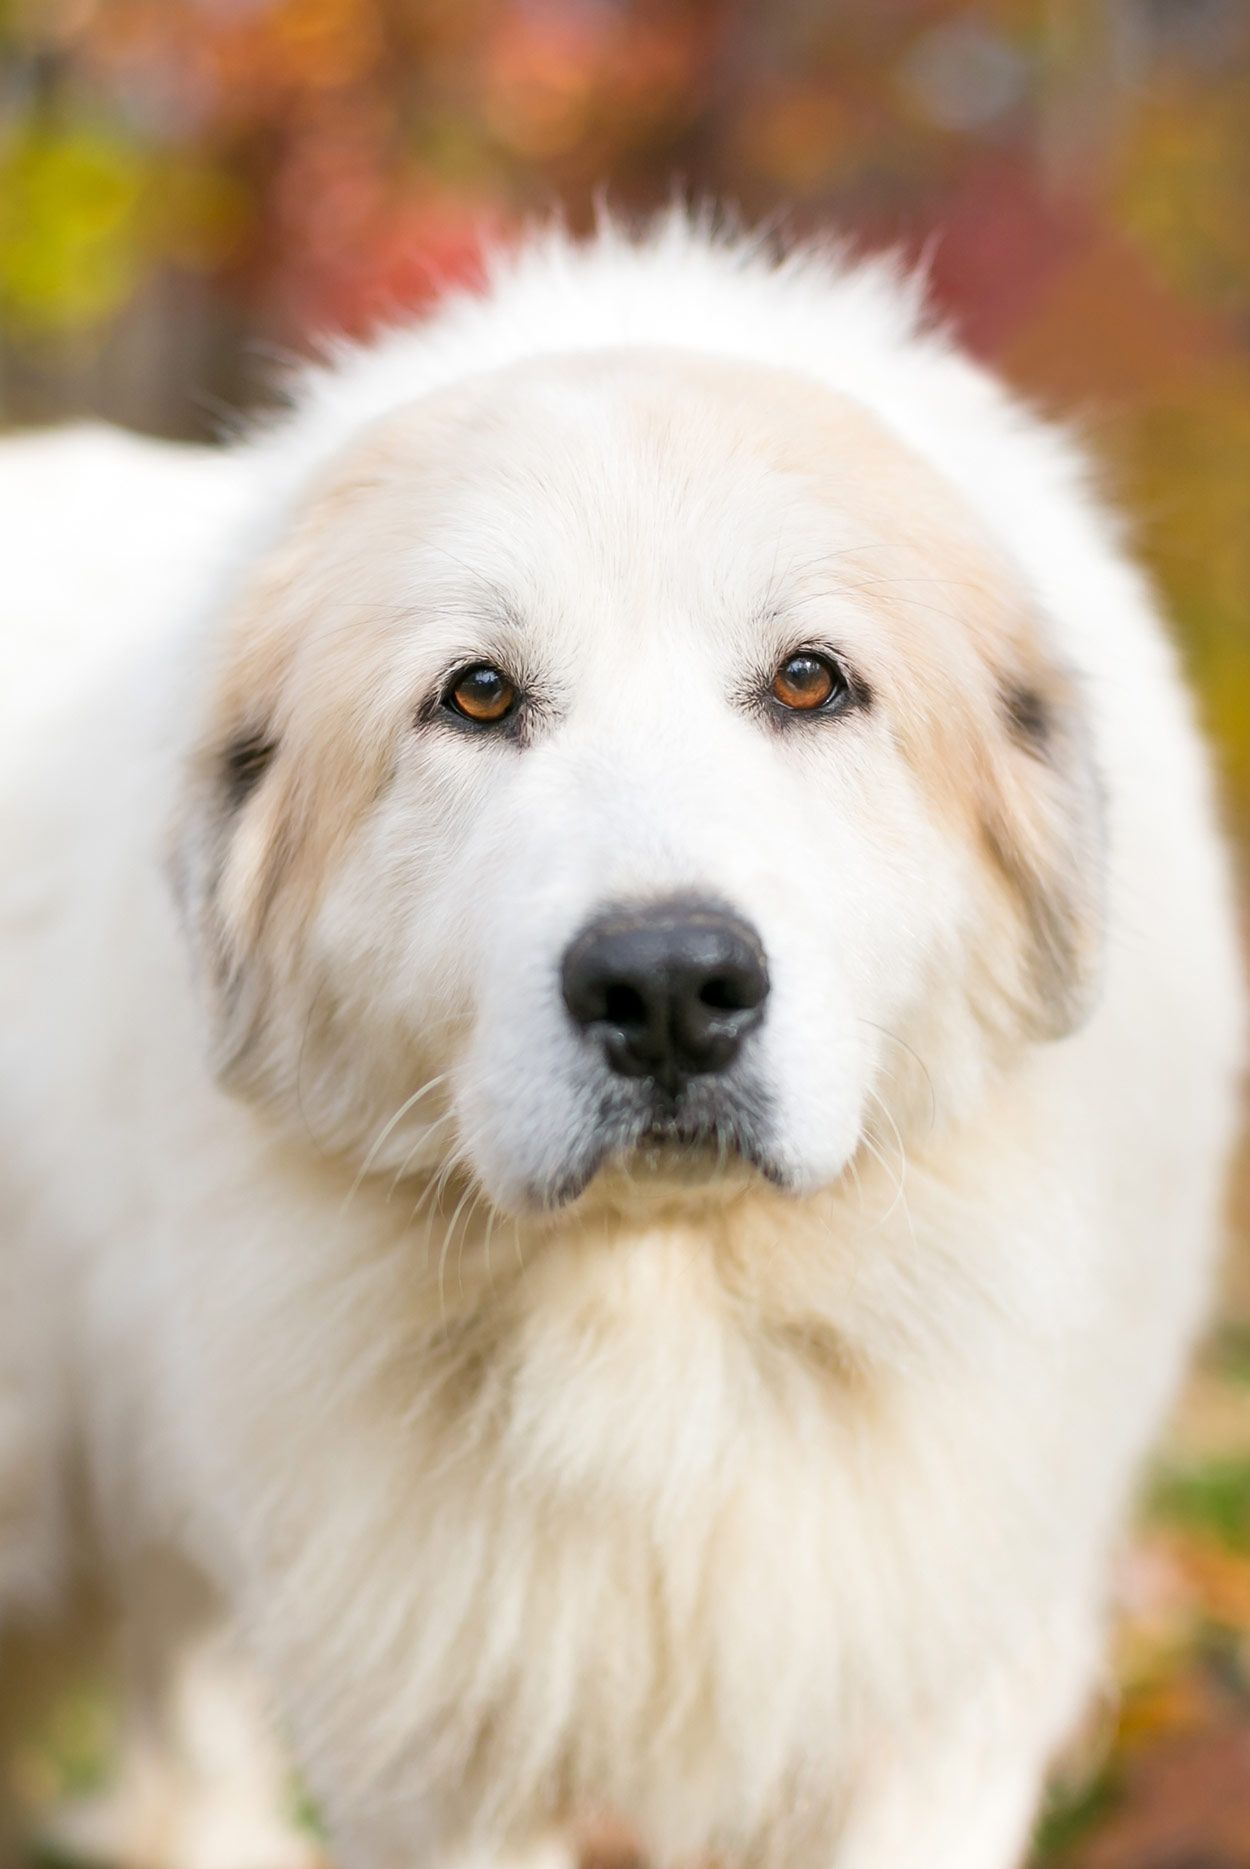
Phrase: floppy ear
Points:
(296, 743)
(1041, 814)
(238, 827)
(225, 853)
(297, 739)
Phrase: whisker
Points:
(916, 1057)
(401, 1171)
(387, 1129)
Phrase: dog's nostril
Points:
(624, 1005)
(722, 994)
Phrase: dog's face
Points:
(634, 763)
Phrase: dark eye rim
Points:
(847, 694)
(447, 708)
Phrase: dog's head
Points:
(627, 761)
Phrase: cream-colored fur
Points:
(765, 1509)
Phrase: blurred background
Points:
(193, 191)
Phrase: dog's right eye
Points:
(808, 683)
(480, 693)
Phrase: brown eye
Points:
(807, 681)
(481, 693)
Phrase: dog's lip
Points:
(656, 1162)
(672, 1140)
(713, 1134)
(666, 1158)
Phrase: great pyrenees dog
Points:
(620, 1032)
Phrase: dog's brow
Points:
(489, 599)
(497, 607)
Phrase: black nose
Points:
(672, 989)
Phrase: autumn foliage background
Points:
(192, 191)
(191, 188)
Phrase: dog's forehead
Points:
(652, 498)
(715, 457)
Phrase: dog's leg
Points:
(43, 1658)
(548, 1852)
(965, 1794)
(424, 1843)
(202, 1782)
(968, 1819)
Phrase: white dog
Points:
(620, 1030)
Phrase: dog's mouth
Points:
(706, 1134)
(675, 1138)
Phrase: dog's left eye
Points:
(480, 693)
(808, 681)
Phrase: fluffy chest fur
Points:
(617, 1516)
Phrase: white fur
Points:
(772, 1518)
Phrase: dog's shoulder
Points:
(110, 538)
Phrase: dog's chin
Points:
(663, 1159)
(665, 1170)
